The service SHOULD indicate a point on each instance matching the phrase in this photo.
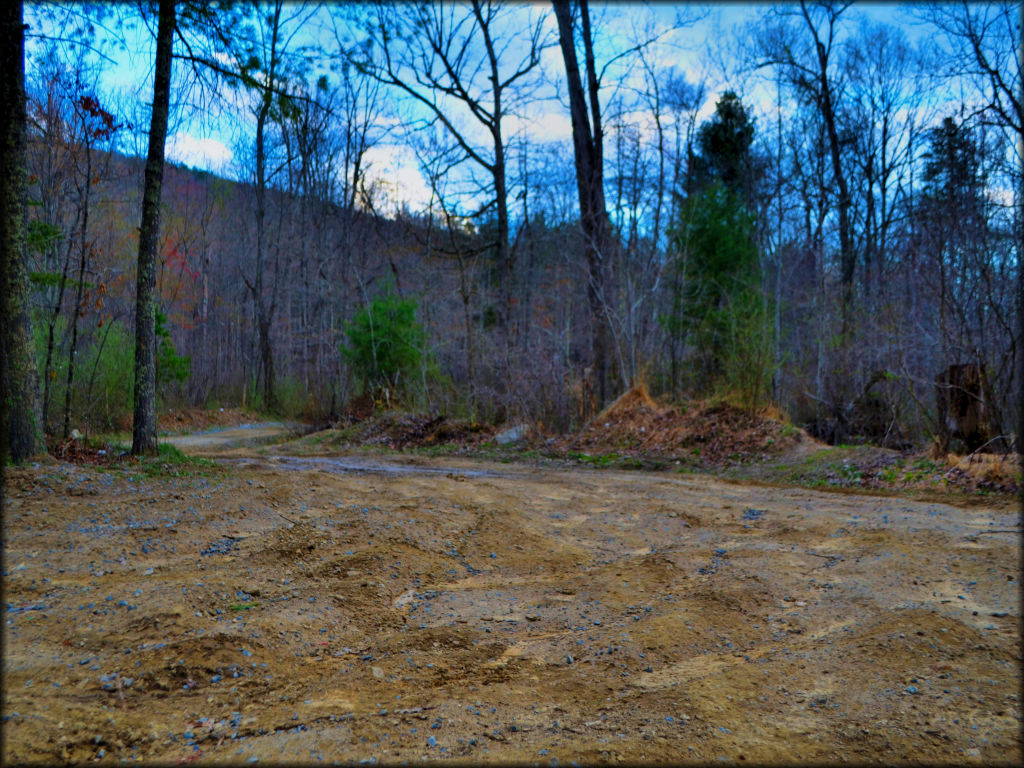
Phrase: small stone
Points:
(377, 672)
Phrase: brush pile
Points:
(707, 433)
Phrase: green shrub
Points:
(102, 392)
(105, 396)
(385, 341)
(170, 366)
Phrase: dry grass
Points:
(989, 467)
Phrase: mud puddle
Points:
(353, 464)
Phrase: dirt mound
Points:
(635, 400)
(398, 430)
(707, 433)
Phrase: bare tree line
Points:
(873, 212)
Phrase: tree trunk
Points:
(1019, 211)
(587, 148)
(50, 333)
(504, 250)
(144, 427)
(83, 253)
(265, 309)
(21, 426)
(847, 257)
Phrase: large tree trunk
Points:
(587, 146)
(21, 426)
(1019, 213)
(144, 428)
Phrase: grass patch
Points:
(171, 462)
(594, 460)
(439, 449)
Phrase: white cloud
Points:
(547, 126)
(208, 154)
(392, 168)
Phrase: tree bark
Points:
(144, 426)
(21, 423)
(505, 253)
(587, 147)
(1019, 213)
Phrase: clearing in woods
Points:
(293, 608)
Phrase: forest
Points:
(824, 216)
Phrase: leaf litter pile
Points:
(278, 607)
(712, 434)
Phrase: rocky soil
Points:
(351, 606)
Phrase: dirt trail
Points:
(292, 609)
(214, 441)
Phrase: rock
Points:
(514, 434)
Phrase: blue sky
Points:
(212, 138)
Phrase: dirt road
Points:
(215, 441)
(307, 609)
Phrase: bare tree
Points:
(266, 71)
(802, 41)
(449, 236)
(884, 84)
(468, 68)
(588, 147)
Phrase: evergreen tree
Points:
(385, 341)
(954, 186)
(724, 142)
(720, 309)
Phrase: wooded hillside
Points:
(834, 255)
